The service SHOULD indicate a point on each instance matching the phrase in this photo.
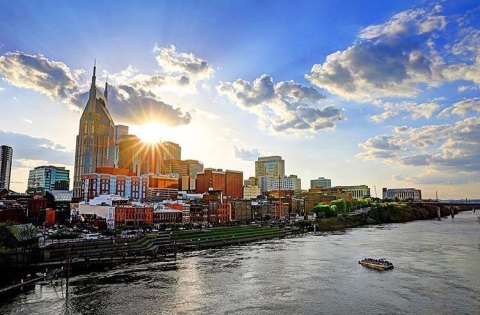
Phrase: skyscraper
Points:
(130, 154)
(95, 145)
(149, 158)
(120, 131)
(6, 155)
(171, 151)
(271, 166)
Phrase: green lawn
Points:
(223, 232)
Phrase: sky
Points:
(382, 93)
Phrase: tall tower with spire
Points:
(95, 146)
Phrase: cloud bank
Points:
(133, 96)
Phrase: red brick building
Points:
(133, 216)
(230, 183)
(168, 216)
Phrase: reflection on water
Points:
(437, 271)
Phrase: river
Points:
(437, 271)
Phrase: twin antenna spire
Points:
(94, 78)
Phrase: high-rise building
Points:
(49, 178)
(95, 145)
(234, 184)
(272, 166)
(6, 155)
(178, 167)
(291, 182)
(143, 158)
(265, 183)
(120, 131)
(194, 167)
(170, 151)
(130, 154)
(321, 182)
(229, 182)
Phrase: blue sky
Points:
(383, 93)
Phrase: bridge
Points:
(463, 206)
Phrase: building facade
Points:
(6, 156)
(291, 182)
(320, 182)
(402, 193)
(120, 131)
(229, 182)
(265, 183)
(148, 187)
(156, 158)
(251, 192)
(49, 178)
(358, 192)
(272, 166)
(95, 143)
(171, 151)
(178, 167)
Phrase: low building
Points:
(243, 210)
(315, 196)
(122, 182)
(113, 181)
(167, 216)
(358, 192)
(402, 193)
(130, 215)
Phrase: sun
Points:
(150, 132)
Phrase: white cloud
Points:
(414, 110)
(246, 154)
(133, 96)
(283, 107)
(188, 64)
(463, 71)
(399, 58)
(452, 148)
(435, 177)
(375, 69)
(462, 108)
(416, 21)
(51, 78)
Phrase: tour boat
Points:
(377, 264)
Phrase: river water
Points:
(437, 271)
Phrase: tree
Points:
(321, 208)
(349, 205)
(332, 212)
(341, 205)
(362, 203)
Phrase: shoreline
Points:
(385, 214)
(382, 214)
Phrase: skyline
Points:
(410, 120)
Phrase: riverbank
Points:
(385, 213)
(436, 272)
